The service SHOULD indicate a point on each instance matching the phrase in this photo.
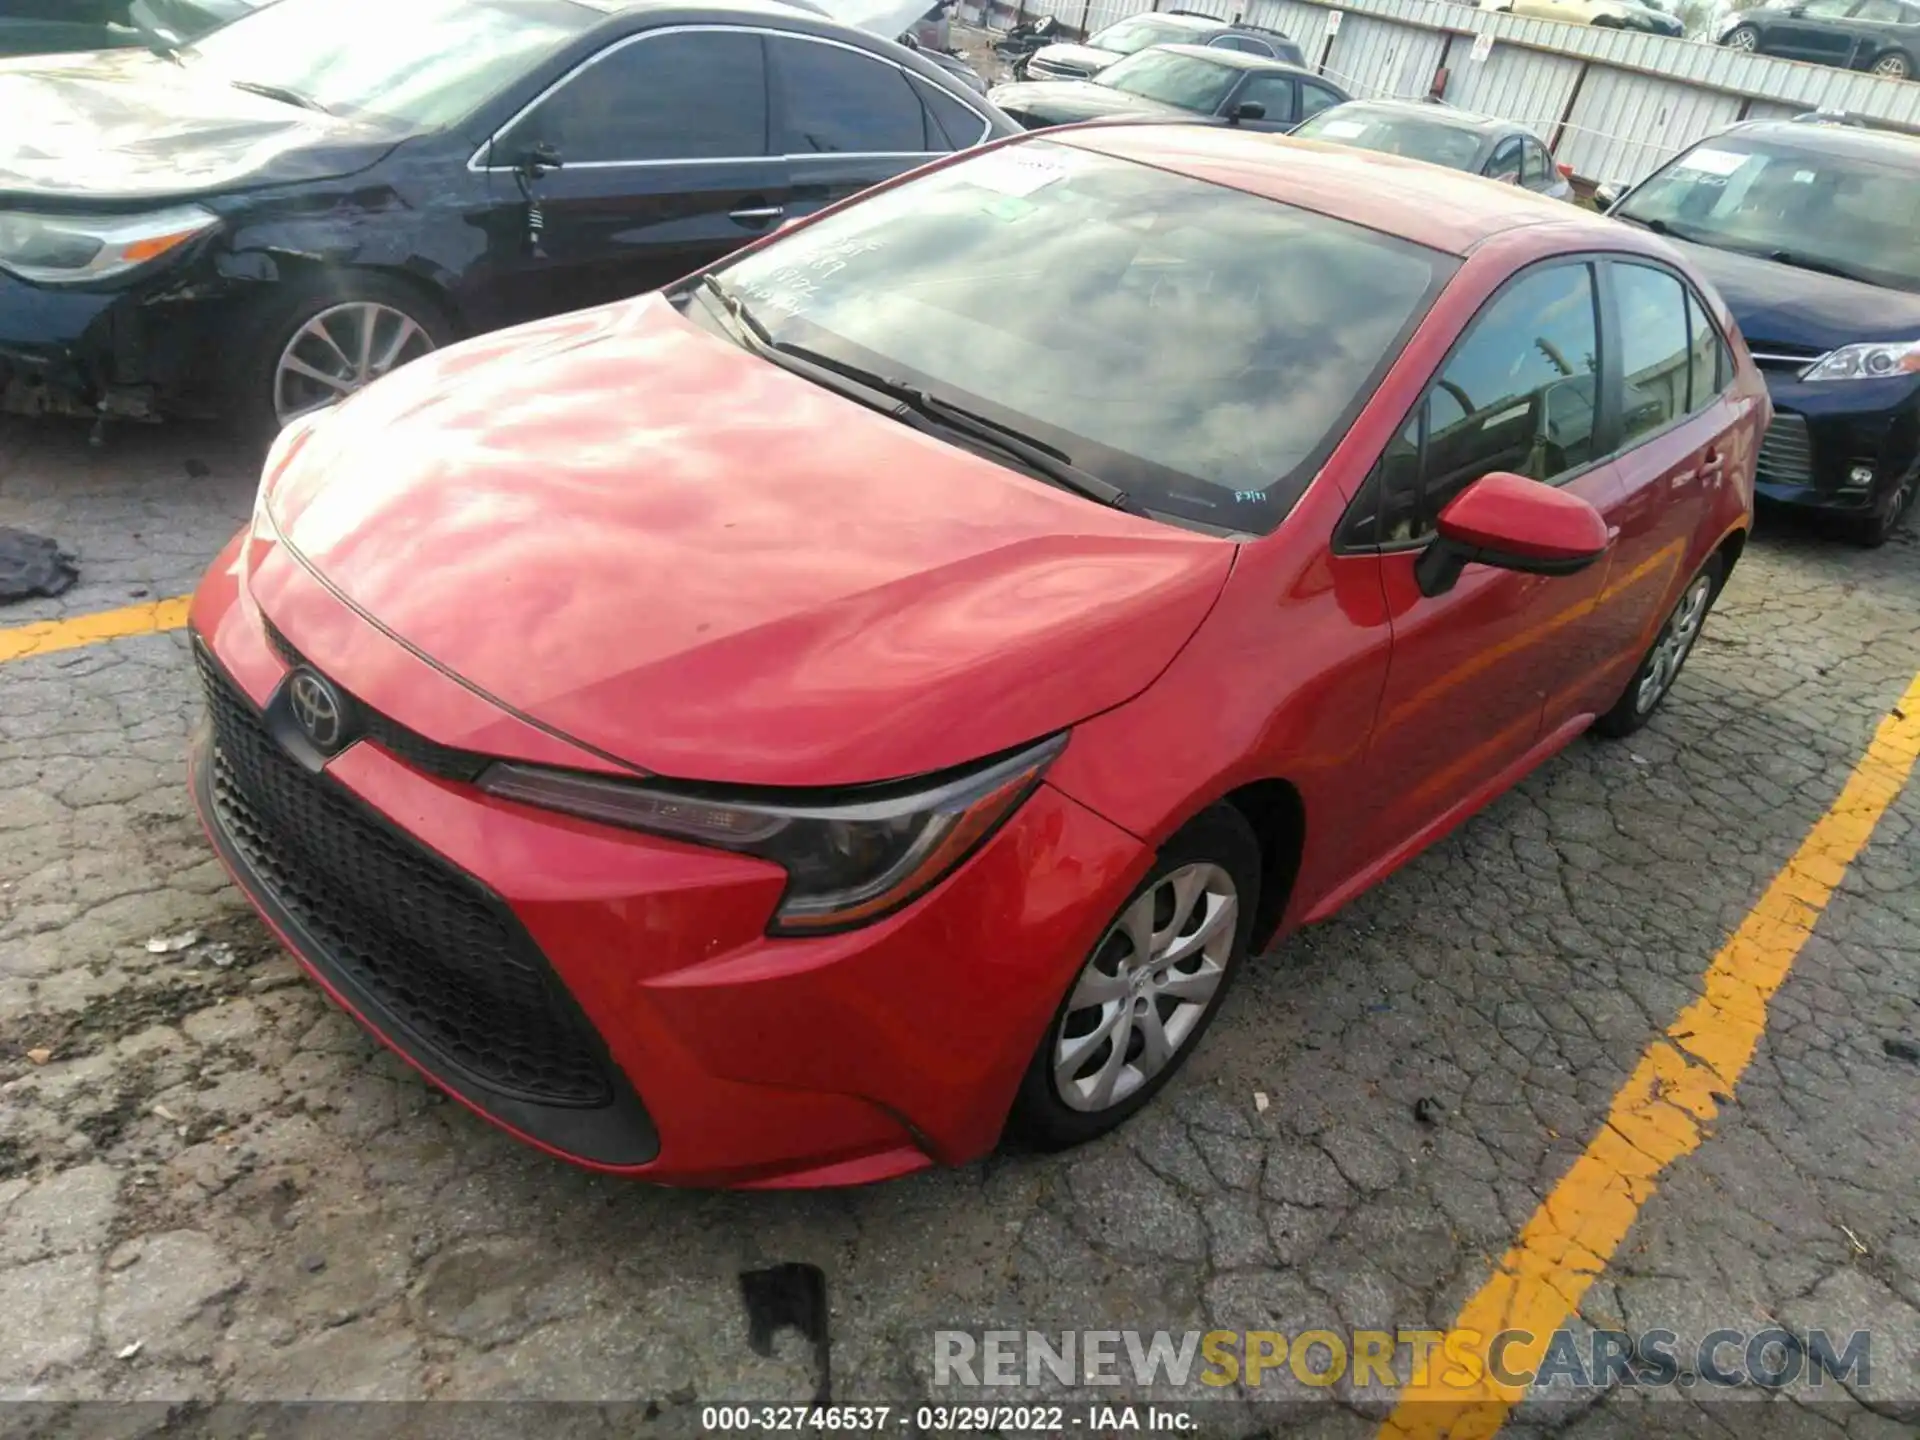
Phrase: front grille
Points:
(389, 734)
(1786, 453)
(1052, 70)
(439, 952)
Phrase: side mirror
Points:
(536, 160)
(1606, 196)
(1511, 523)
(1247, 110)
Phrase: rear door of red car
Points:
(1472, 668)
(1669, 426)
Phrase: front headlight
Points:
(55, 249)
(849, 858)
(1878, 361)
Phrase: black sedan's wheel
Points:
(1875, 529)
(1663, 661)
(1743, 37)
(1895, 65)
(1146, 994)
(318, 343)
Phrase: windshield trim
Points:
(480, 162)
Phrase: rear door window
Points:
(691, 95)
(1655, 358)
(838, 100)
(1315, 98)
(1711, 366)
(1537, 169)
(956, 125)
(1505, 164)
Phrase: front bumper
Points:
(529, 957)
(135, 351)
(1838, 445)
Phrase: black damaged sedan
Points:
(260, 223)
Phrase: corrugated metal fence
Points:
(1612, 104)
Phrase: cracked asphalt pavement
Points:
(213, 1187)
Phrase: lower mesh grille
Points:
(437, 950)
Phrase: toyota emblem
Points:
(316, 706)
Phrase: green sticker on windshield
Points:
(1010, 207)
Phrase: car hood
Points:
(1783, 305)
(661, 546)
(128, 125)
(1060, 102)
(1086, 57)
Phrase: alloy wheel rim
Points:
(340, 350)
(1676, 641)
(1147, 986)
(1742, 40)
(1892, 65)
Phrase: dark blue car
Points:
(1811, 230)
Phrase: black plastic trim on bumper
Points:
(620, 1133)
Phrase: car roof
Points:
(1237, 59)
(1442, 209)
(1838, 139)
(1438, 114)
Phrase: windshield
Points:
(435, 60)
(1131, 35)
(1413, 136)
(1846, 214)
(1173, 79)
(1200, 347)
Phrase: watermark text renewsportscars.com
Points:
(1771, 1357)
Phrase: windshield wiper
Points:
(280, 93)
(1043, 459)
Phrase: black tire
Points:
(1745, 38)
(1874, 530)
(1636, 706)
(1895, 65)
(1219, 836)
(266, 330)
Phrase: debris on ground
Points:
(1427, 1110)
(1260, 1101)
(793, 1294)
(171, 944)
(1901, 1048)
(40, 1055)
(33, 565)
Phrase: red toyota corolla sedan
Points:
(797, 727)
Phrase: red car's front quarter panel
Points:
(760, 1061)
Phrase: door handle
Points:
(757, 214)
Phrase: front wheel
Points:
(1148, 990)
(1660, 666)
(313, 343)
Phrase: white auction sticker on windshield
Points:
(1006, 173)
(1342, 129)
(1714, 162)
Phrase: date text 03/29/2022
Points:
(946, 1419)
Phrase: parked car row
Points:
(1882, 36)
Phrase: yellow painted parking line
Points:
(17, 642)
(1658, 1116)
